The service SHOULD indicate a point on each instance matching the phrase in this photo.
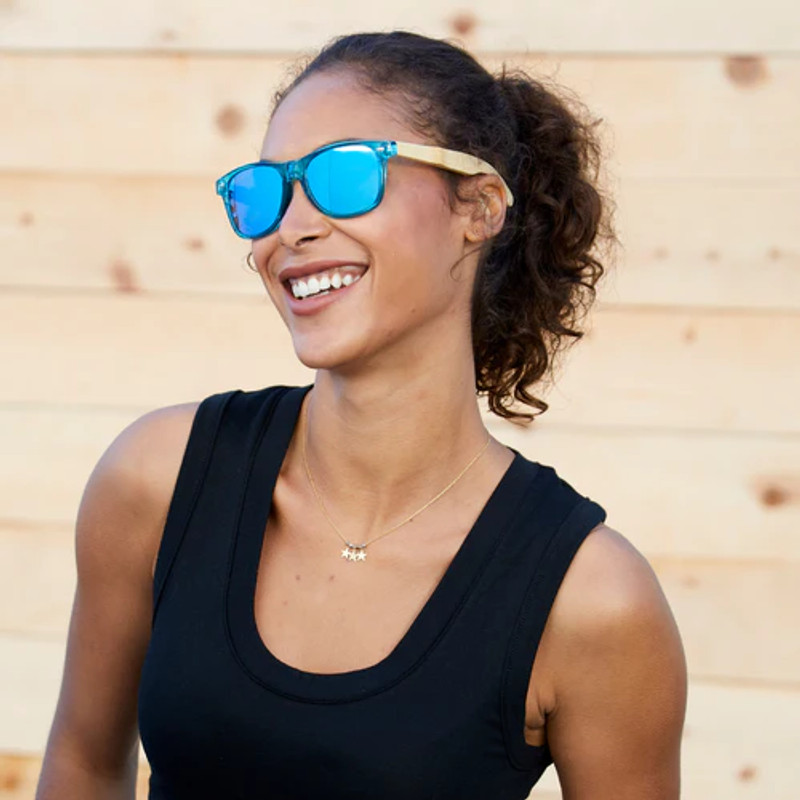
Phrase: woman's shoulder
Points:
(132, 483)
(612, 680)
(611, 631)
(608, 576)
(149, 450)
(610, 593)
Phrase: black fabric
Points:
(440, 718)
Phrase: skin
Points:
(392, 414)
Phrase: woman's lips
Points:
(306, 306)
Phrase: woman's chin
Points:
(326, 355)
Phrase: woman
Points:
(354, 590)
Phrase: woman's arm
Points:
(615, 687)
(92, 750)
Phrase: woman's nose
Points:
(302, 221)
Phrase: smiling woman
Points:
(350, 589)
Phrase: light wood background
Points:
(122, 289)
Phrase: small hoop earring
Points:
(251, 262)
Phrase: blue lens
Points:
(346, 180)
(256, 195)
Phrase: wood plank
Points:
(30, 678)
(693, 243)
(140, 352)
(674, 494)
(720, 243)
(47, 458)
(739, 742)
(757, 602)
(634, 368)
(678, 493)
(129, 234)
(623, 26)
(738, 620)
(19, 775)
(667, 117)
(37, 580)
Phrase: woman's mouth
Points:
(326, 281)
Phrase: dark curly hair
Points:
(537, 277)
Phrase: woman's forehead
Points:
(328, 107)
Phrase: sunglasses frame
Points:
(291, 171)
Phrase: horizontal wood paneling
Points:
(30, 679)
(750, 607)
(47, 458)
(741, 743)
(139, 351)
(678, 493)
(625, 25)
(19, 775)
(634, 368)
(123, 289)
(674, 494)
(37, 579)
(690, 243)
(669, 118)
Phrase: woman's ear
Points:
(488, 211)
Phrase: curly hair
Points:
(536, 278)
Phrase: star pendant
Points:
(354, 554)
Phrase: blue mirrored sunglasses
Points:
(342, 179)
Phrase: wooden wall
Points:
(121, 289)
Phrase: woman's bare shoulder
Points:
(608, 577)
(610, 597)
(614, 675)
(133, 482)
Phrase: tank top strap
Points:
(222, 428)
(569, 518)
(191, 475)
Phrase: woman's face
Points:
(407, 301)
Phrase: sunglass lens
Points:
(346, 181)
(255, 199)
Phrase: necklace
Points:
(358, 552)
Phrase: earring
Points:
(251, 262)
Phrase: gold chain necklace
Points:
(358, 552)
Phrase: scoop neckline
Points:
(431, 623)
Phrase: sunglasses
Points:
(342, 179)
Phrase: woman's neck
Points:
(380, 445)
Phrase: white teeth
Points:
(323, 282)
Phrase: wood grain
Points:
(122, 289)
(674, 494)
(171, 115)
(689, 243)
(623, 26)
(19, 774)
(634, 368)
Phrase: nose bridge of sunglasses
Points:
(295, 181)
(295, 170)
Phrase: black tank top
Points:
(440, 718)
